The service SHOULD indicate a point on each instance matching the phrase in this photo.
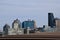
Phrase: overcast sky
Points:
(28, 9)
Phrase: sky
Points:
(28, 9)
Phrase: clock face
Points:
(15, 25)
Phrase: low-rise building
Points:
(15, 32)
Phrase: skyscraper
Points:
(29, 23)
(16, 24)
(5, 29)
(51, 21)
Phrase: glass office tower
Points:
(51, 21)
(29, 24)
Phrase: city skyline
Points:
(28, 9)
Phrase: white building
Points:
(15, 32)
(16, 28)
